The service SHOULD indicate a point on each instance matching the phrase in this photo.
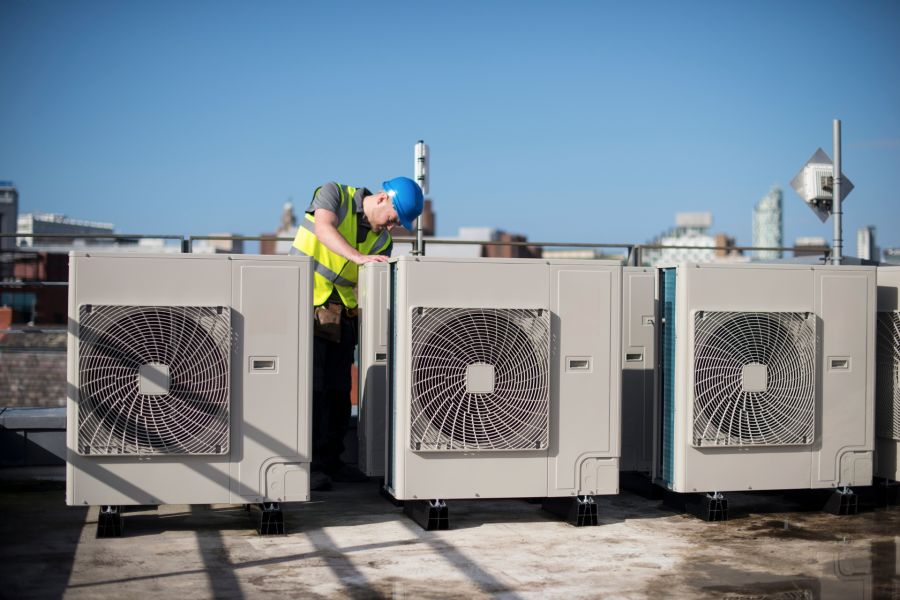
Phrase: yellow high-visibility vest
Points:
(331, 270)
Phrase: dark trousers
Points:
(332, 363)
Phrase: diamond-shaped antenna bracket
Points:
(813, 183)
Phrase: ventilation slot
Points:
(480, 379)
(153, 379)
(887, 375)
(754, 379)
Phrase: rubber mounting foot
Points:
(843, 501)
(580, 511)
(431, 515)
(110, 522)
(271, 519)
(709, 507)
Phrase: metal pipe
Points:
(837, 256)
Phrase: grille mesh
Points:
(186, 415)
(783, 413)
(514, 416)
(887, 375)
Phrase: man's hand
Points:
(369, 258)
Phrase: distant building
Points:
(287, 228)
(891, 255)
(512, 251)
(9, 211)
(34, 224)
(865, 243)
(725, 247)
(37, 304)
(582, 253)
(451, 247)
(230, 246)
(696, 243)
(811, 246)
(767, 224)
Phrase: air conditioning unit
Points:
(767, 377)
(638, 368)
(887, 386)
(373, 294)
(504, 379)
(189, 380)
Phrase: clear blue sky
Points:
(572, 121)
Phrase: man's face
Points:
(383, 215)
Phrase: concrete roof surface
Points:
(351, 543)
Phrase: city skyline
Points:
(587, 122)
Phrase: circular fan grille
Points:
(508, 412)
(153, 379)
(887, 375)
(754, 378)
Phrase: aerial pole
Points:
(837, 255)
(421, 177)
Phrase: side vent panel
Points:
(153, 380)
(754, 378)
(480, 379)
(887, 375)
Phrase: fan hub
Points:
(153, 379)
(480, 378)
(754, 378)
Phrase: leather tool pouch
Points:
(328, 322)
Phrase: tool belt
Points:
(327, 324)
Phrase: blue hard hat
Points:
(407, 198)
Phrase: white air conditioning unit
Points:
(373, 296)
(189, 379)
(504, 378)
(767, 377)
(638, 368)
(887, 386)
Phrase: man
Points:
(344, 227)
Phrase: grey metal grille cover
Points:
(887, 375)
(776, 353)
(514, 414)
(184, 411)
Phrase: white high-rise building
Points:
(767, 224)
(866, 248)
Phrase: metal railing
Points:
(33, 343)
(633, 252)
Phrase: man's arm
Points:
(326, 231)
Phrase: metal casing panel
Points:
(638, 367)
(846, 306)
(272, 410)
(372, 387)
(586, 303)
(843, 300)
(271, 299)
(887, 451)
(588, 449)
